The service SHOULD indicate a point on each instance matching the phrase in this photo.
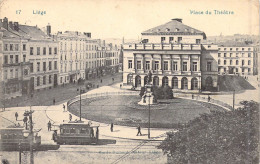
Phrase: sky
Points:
(128, 18)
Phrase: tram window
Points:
(72, 130)
(66, 131)
(83, 130)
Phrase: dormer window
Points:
(186, 30)
(158, 30)
(177, 29)
(192, 30)
(167, 29)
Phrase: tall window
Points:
(11, 59)
(55, 65)
(38, 81)
(44, 66)
(194, 66)
(165, 65)
(50, 68)
(38, 66)
(44, 50)
(138, 65)
(50, 51)
(175, 66)
(184, 66)
(6, 59)
(16, 73)
(16, 47)
(156, 65)
(130, 64)
(237, 62)
(209, 66)
(219, 55)
(219, 61)
(230, 62)
(49, 79)
(38, 50)
(31, 50)
(225, 62)
(24, 58)
(225, 54)
(16, 59)
(11, 73)
(6, 47)
(249, 62)
(249, 55)
(243, 62)
(24, 47)
(11, 47)
(44, 80)
(55, 50)
(147, 65)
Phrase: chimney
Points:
(178, 19)
(104, 42)
(5, 23)
(49, 29)
(16, 26)
(11, 25)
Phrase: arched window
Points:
(165, 81)
(194, 83)
(156, 81)
(137, 81)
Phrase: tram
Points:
(76, 133)
(14, 138)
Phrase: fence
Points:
(200, 98)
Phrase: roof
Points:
(32, 32)
(174, 27)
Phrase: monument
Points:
(148, 97)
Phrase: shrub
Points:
(217, 137)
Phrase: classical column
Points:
(160, 80)
(170, 81)
(144, 62)
(199, 63)
(162, 63)
(171, 63)
(189, 83)
(180, 64)
(179, 82)
(135, 62)
(189, 63)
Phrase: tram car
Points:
(15, 138)
(76, 133)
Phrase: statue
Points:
(149, 77)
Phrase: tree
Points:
(217, 137)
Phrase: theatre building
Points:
(174, 54)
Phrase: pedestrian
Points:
(113, 79)
(139, 131)
(25, 119)
(16, 115)
(53, 101)
(112, 127)
(209, 98)
(63, 108)
(49, 126)
(120, 86)
(70, 117)
(192, 96)
(101, 81)
(97, 86)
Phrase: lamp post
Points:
(79, 102)
(29, 113)
(149, 118)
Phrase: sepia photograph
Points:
(129, 81)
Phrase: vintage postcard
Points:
(129, 81)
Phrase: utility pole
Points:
(234, 100)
